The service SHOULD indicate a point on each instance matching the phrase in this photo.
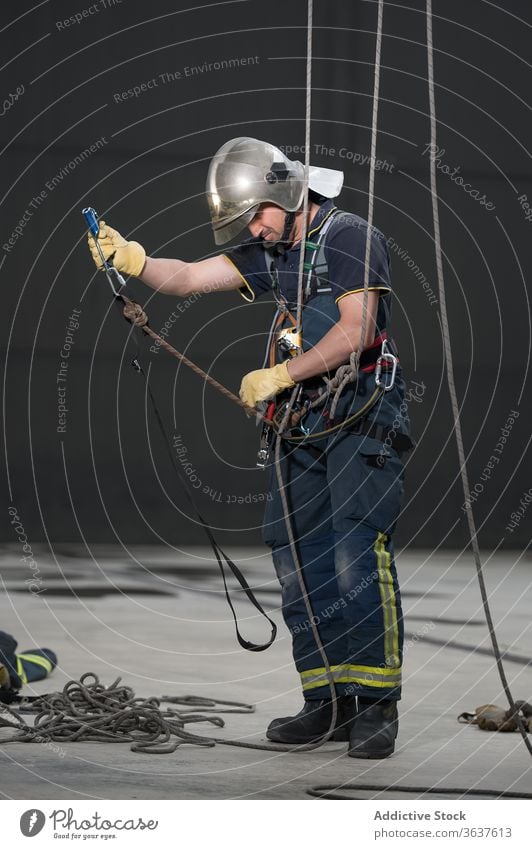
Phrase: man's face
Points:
(268, 223)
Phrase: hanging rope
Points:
(282, 487)
(308, 112)
(452, 388)
(349, 373)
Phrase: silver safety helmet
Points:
(246, 172)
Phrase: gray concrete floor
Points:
(159, 619)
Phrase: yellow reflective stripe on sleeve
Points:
(37, 659)
(348, 673)
(388, 602)
(375, 288)
(20, 671)
(245, 282)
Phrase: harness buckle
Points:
(386, 357)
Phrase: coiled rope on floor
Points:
(87, 711)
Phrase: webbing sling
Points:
(220, 555)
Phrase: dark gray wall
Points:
(107, 477)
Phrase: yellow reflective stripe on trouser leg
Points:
(388, 602)
(350, 673)
(21, 671)
(37, 659)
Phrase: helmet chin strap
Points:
(284, 244)
(280, 247)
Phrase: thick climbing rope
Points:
(88, 712)
(348, 373)
(282, 487)
(452, 388)
(304, 225)
(134, 313)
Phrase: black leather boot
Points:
(313, 722)
(374, 730)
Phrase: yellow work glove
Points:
(265, 383)
(128, 257)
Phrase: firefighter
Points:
(344, 482)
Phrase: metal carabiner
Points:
(116, 281)
(385, 357)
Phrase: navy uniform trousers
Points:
(344, 507)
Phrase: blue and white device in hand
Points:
(116, 281)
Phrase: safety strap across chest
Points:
(315, 265)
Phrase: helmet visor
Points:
(224, 232)
(241, 177)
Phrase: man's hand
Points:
(128, 257)
(265, 383)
